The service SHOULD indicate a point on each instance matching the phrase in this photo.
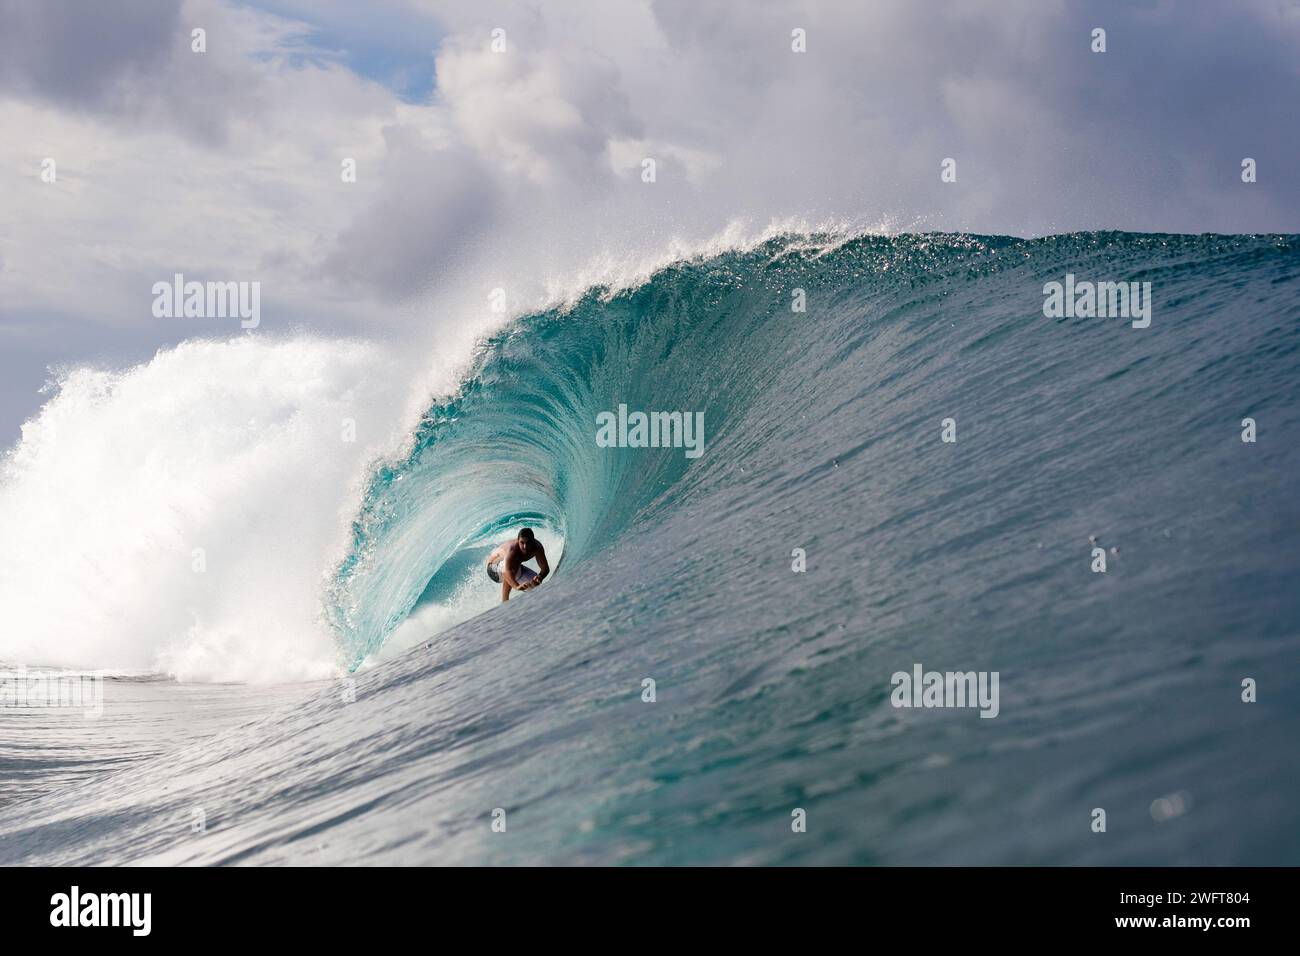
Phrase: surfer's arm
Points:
(543, 569)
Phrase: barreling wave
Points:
(516, 445)
(227, 454)
(721, 335)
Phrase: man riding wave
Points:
(505, 565)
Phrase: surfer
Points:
(505, 565)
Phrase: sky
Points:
(521, 168)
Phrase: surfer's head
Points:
(526, 540)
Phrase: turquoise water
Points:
(822, 433)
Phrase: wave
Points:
(827, 538)
(322, 553)
(516, 444)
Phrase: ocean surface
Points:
(435, 712)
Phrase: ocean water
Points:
(394, 706)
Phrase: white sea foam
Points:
(232, 447)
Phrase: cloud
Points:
(131, 62)
(522, 169)
(85, 55)
(540, 116)
(434, 205)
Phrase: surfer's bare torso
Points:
(506, 564)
